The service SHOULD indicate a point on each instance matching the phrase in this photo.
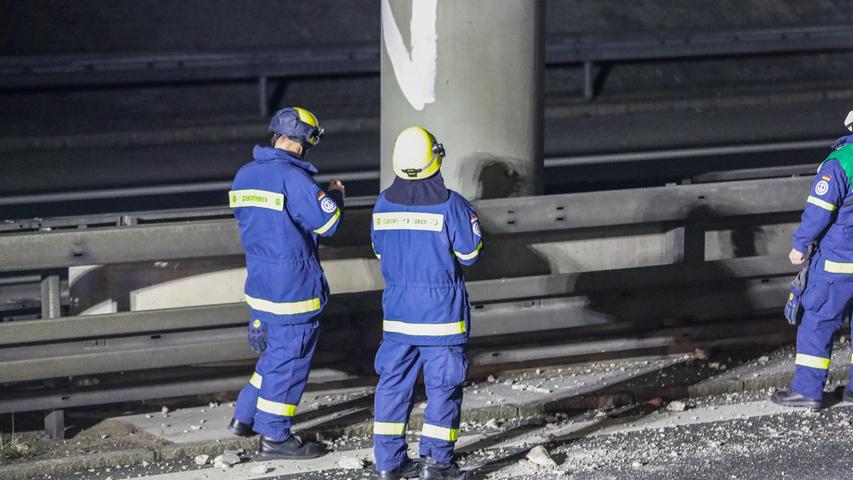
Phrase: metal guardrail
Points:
(547, 310)
(88, 70)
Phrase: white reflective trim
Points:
(283, 308)
(389, 428)
(325, 228)
(441, 433)
(821, 203)
(256, 380)
(837, 267)
(276, 408)
(812, 361)
(469, 256)
(256, 198)
(424, 329)
(431, 222)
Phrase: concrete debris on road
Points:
(352, 463)
(676, 406)
(226, 460)
(201, 459)
(261, 469)
(540, 456)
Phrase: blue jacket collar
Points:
(429, 191)
(846, 140)
(270, 154)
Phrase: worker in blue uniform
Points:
(826, 229)
(281, 212)
(422, 232)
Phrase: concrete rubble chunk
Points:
(676, 406)
(700, 354)
(352, 463)
(201, 459)
(261, 469)
(226, 460)
(540, 456)
(164, 411)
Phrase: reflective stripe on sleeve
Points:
(389, 428)
(276, 408)
(812, 361)
(284, 308)
(821, 203)
(837, 267)
(469, 256)
(325, 228)
(424, 329)
(256, 380)
(441, 433)
(256, 198)
(430, 222)
(373, 246)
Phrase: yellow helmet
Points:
(417, 154)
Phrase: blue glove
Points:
(258, 336)
(794, 306)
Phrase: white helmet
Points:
(417, 154)
(849, 121)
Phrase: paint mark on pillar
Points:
(415, 71)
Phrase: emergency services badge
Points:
(327, 204)
(475, 226)
(821, 187)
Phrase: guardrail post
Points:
(263, 104)
(54, 420)
(588, 80)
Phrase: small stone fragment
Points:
(700, 354)
(202, 459)
(676, 406)
(164, 411)
(540, 456)
(352, 463)
(491, 379)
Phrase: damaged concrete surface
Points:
(705, 415)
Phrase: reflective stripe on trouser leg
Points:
(247, 401)
(825, 306)
(445, 369)
(284, 365)
(398, 366)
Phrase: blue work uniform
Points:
(827, 224)
(281, 213)
(422, 233)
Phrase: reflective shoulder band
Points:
(430, 222)
(812, 361)
(284, 308)
(256, 198)
(837, 267)
(325, 228)
(387, 428)
(256, 380)
(469, 256)
(276, 408)
(424, 329)
(821, 203)
(441, 433)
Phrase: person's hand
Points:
(336, 184)
(258, 336)
(796, 257)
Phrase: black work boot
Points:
(847, 396)
(240, 429)
(432, 470)
(409, 469)
(293, 448)
(788, 398)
